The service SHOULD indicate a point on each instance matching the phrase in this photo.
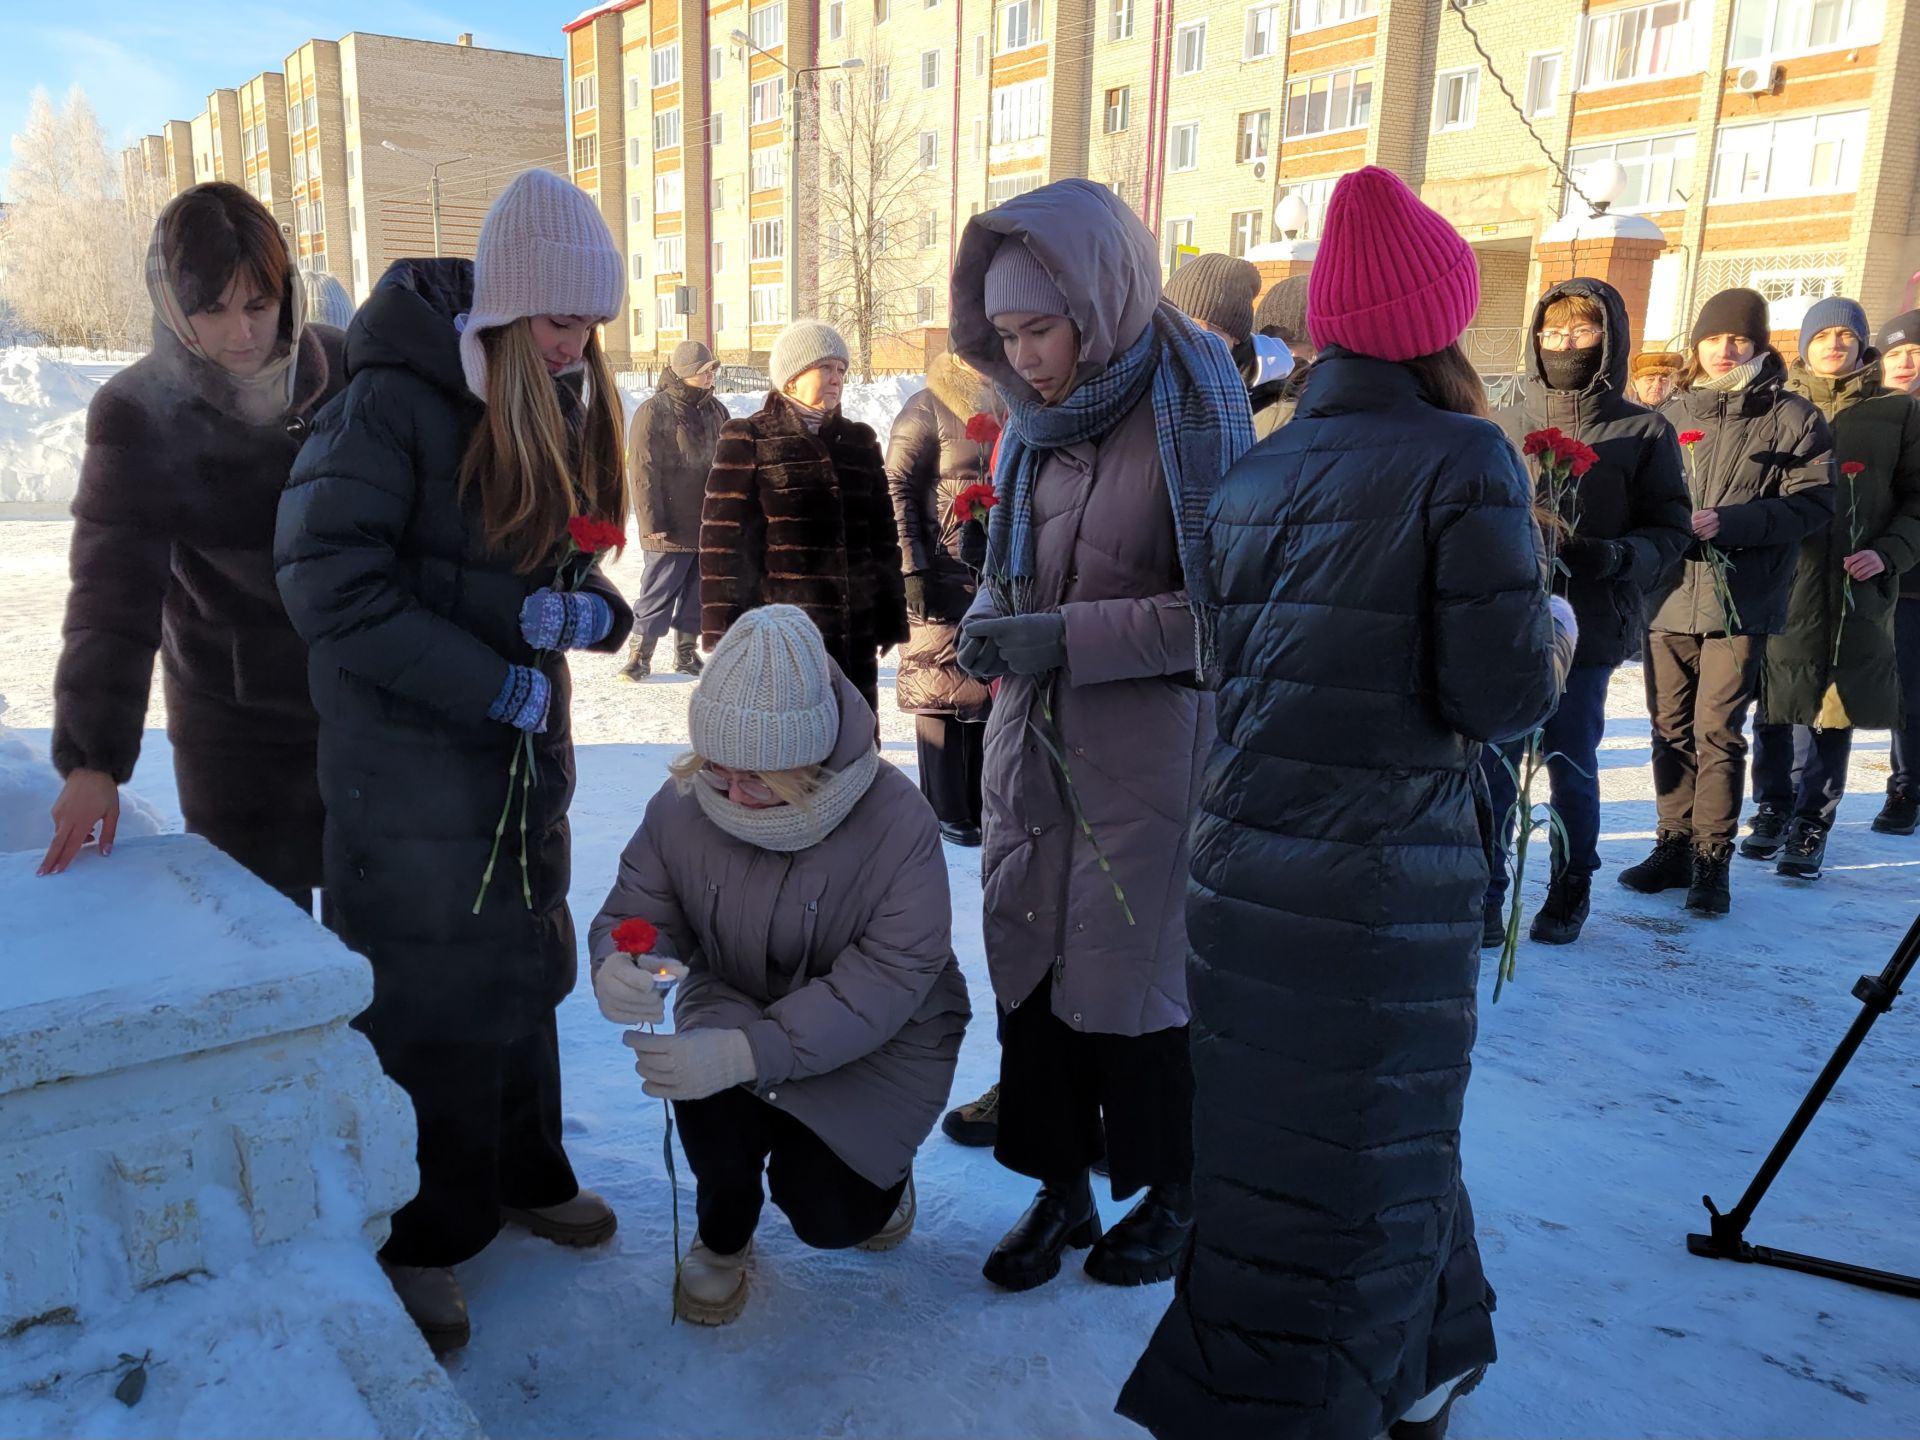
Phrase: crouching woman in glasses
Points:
(800, 882)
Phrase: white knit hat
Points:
(801, 346)
(765, 700)
(544, 250)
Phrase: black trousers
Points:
(731, 1137)
(1904, 752)
(669, 595)
(489, 1118)
(1801, 770)
(1699, 688)
(951, 753)
(1057, 1084)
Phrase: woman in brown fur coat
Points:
(797, 513)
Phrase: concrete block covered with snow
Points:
(189, 1128)
(28, 787)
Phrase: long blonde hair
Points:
(522, 460)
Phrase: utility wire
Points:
(1458, 7)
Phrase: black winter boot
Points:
(1768, 833)
(1805, 852)
(686, 654)
(1565, 910)
(639, 660)
(1061, 1215)
(1493, 925)
(1899, 815)
(1146, 1247)
(1668, 868)
(1434, 1427)
(1708, 894)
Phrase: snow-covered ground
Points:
(1620, 1079)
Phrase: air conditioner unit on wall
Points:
(1759, 79)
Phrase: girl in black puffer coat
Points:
(425, 557)
(1760, 473)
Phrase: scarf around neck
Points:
(1203, 425)
(806, 414)
(787, 828)
(1736, 379)
(261, 397)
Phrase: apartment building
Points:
(265, 164)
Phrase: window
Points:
(633, 102)
(767, 99)
(882, 11)
(767, 26)
(1314, 194)
(586, 92)
(1322, 104)
(769, 168)
(359, 270)
(929, 149)
(586, 153)
(1263, 33)
(1317, 14)
(669, 192)
(979, 136)
(836, 172)
(716, 62)
(1659, 171)
(299, 167)
(1255, 126)
(313, 112)
(883, 83)
(1019, 111)
(1190, 48)
(1185, 147)
(923, 305)
(216, 138)
(1003, 189)
(669, 254)
(979, 54)
(717, 127)
(1791, 293)
(1179, 236)
(929, 229)
(719, 315)
(881, 235)
(639, 267)
(837, 19)
(1772, 28)
(636, 209)
(767, 305)
(353, 164)
(1639, 44)
(720, 193)
(353, 217)
(929, 69)
(719, 257)
(1120, 24)
(666, 314)
(836, 243)
(666, 129)
(639, 321)
(1808, 155)
(1456, 96)
(294, 113)
(1243, 232)
(767, 240)
(1543, 84)
(319, 221)
(1019, 25)
(1118, 112)
(634, 153)
(666, 65)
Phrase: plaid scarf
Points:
(1203, 424)
(261, 397)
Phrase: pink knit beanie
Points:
(1392, 280)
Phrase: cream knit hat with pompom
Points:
(765, 700)
(544, 250)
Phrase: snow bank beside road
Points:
(43, 425)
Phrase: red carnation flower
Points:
(983, 429)
(1853, 468)
(593, 536)
(1579, 456)
(635, 937)
(1539, 442)
(1692, 437)
(974, 502)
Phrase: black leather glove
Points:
(1593, 559)
(977, 652)
(1028, 644)
(917, 596)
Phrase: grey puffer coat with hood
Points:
(1131, 722)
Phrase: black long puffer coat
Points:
(1383, 612)
(1634, 494)
(669, 452)
(1766, 464)
(411, 622)
(930, 461)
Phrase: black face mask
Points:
(1571, 369)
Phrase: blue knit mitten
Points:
(523, 700)
(564, 620)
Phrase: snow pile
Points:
(28, 787)
(43, 424)
(875, 404)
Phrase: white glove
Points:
(693, 1064)
(628, 990)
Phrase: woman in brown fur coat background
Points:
(797, 513)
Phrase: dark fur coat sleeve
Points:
(733, 531)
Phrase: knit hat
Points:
(1832, 311)
(1018, 284)
(1284, 308)
(1733, 312)
(1901, 330)
(327, 301)
(1649, 362)
(690, 357)
(1219, 290)
(1392, 279)
(766, 699)
(544, 250)
(801, 346)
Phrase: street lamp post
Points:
(433, 183)
(740, 37)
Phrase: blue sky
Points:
(143, 63)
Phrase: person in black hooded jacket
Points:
(1625, 527)
(1760, 473)
(429, 560)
